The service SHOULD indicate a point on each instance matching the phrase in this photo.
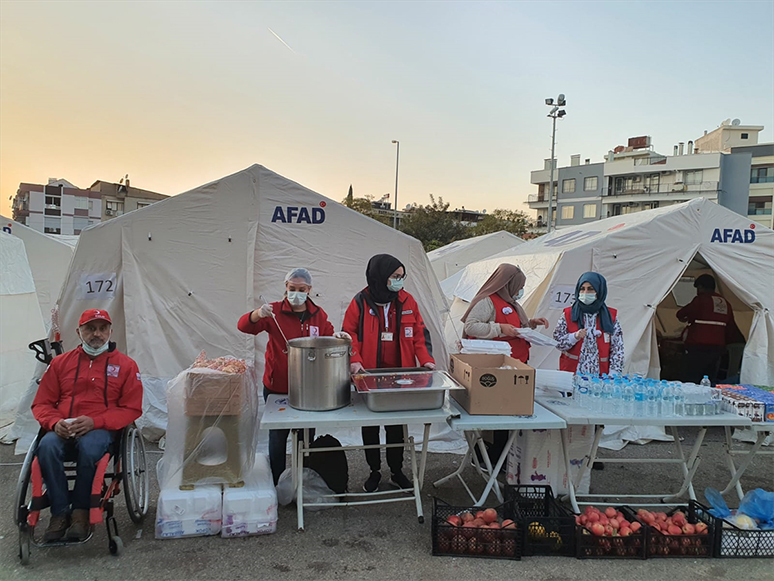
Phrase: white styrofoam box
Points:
(536, 458)
(251, 509)
(189, 513)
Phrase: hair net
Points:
(301, 273)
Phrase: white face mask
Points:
(395, 284)
(518, 295)
(297, 298)
(92, 352)
(587, 298)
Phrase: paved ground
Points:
(367, 542)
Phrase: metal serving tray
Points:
(398, 390)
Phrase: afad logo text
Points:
(734, 235)
(299, 214)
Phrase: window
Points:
(653, 182)
(568, 212)
(692, 178)
(762, 175)
(80, 223)
(113, 208)
(589, 210)
(568, 186)
(590, 184)
(52, 225)
(53, 202)
(81, 203)
(745, 135)
(143, 204)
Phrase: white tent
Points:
(177, 275)
(452, 258)
(20, 324)
(644, 256)
(49, 260)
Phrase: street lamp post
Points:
(555, 114)
(397, 162)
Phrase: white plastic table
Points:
(278, 415)
(574, 415)
(763, 429)
(472, 426)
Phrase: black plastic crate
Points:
(732, 542)
(590, 546)
(663, 545)
(458, 541)
(549, 528)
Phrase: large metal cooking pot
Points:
(318, 373)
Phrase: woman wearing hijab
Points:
(495, 314)
(589, 334)
(387, 331)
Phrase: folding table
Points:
(763, 430)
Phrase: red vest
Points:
(568, 360)
(506, 314)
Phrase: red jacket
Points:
(568, 360)
(364, 321)
(107, 389)
(709, 316)
(315, 323)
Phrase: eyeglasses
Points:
(403, 277)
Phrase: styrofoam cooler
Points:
(251, 509)
(536, 458)
(189, 513)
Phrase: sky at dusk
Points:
(177, 94)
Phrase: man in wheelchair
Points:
(84, 398)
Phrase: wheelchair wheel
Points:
(24, 488)
(135, 474)
(24, 546)
(116, 546)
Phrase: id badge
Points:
(314, 331)
(606, 337)
(386, 336)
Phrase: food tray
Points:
(483, 542)
(393, 390)
(549, 528)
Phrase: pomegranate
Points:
(674, 530)
(614, 523)
(597, 529)
(635, 526)
(593, 517)
(466, 517)
(624, 531)
(689, 529)
(490, 515)
(701, 528)
(610, 512)
(454, 520)
(468, 530)
(508, 524)
(480, 515)
(459, 544)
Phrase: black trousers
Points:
(278, 441)
(701, 360)
(394, 455)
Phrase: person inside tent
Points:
(295, 316)
(85, 396)
(387, 332)
(589, 334)
(495, 314)
(710, 321)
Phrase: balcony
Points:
(668, 191)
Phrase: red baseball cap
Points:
(93, 315)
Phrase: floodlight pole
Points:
(555, 114)
(397, 162)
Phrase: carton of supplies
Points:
(252, 509)
(208, 394)
(763, 407)
(188, 513)
(495, 385)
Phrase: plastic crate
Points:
(453, 541)
(549, 528)
(732, 542)
(692, 546)
(589, 546)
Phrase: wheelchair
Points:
(123, 465)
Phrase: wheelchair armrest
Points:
(42, 353)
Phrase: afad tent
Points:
(49, 260)
(20, 323)
(449, 261)
(647, 257)
(177, 275)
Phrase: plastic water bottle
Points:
(583, 391)
(679, 398)
(651, 407)
(595, 391)
(607, 396)
(616, 399)
(705, 382)
(627, 400)
(667, 400)
(639, 399)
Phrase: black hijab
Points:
(379, 269)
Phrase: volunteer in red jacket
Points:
(387, 331)
(710, 319)
(495, 314)
(297, 316)
(589, 333)
(84, 397)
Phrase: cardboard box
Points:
(490, 389)
(213, 394)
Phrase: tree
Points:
(363, 205)
(433, 225)
(512, 221)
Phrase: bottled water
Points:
(583, 388)
(616, 403)
(607, 396)
(667, 400)
(651, 406)
(639, 399)
(705, 382)
(627, 400)
(595, 391)
(679, 399)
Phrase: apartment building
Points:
(59, 207)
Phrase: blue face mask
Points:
(395, 285)
(91, 352)
(518, 295)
